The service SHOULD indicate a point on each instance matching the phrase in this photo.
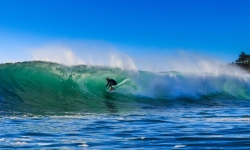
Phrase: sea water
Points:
(49, 106)
(173, 128)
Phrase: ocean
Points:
(45, 105)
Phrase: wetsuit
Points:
(111, 82)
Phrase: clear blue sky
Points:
(213, 27)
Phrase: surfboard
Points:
(110, 91)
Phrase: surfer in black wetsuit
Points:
(110, 83)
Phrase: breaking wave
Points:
(40, 86)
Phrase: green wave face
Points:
(40, 86)
(44, 86)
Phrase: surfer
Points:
(110, 83)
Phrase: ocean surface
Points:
(46, 105)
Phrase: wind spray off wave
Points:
(50, 86)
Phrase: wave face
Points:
(39, 86)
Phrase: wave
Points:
(38, 86)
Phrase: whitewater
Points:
(50, 105)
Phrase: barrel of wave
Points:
(94, 82)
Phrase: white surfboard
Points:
(111, 91)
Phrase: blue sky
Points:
(215, 28)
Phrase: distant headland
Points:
(243, 61)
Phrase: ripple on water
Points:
(175, 129)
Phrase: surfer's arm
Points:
(107, 84)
